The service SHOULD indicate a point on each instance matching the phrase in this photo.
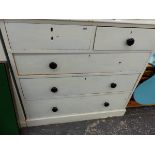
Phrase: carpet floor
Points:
(136, 121)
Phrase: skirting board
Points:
(72, 118)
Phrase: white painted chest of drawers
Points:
(72, 71)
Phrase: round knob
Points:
(106, 104)
(130, 41)
(54, 109)
(53, 65)
(54, 89)
(113, 85)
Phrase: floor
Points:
(136, 121)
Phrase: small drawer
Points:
(71, 106)
(112, 38)
(49, 88)
(24, 36)
(41, 64)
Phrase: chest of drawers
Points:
(75, 70)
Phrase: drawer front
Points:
(48, 88)
(80, 105)
(46, 36)
(79, 63)
(110, 38)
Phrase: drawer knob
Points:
(54, 89)
(106, 104)
(113, 85)
(130, 41)
(54, 109)
(53, 65)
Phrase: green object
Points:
(8, 122)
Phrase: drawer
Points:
(80, 105)
(36, 64)
(112, 38)
(48, 88)
(46, 36)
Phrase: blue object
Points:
(145, 93)
(152, 60)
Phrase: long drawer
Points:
(114, 38)
(69, 106)
(47, 36)
(79, 63)
(48, 88)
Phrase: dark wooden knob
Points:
(54, 109)
(130, 41)
(106, 104)
(113, 85)
(53, 65)
(54, 89)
